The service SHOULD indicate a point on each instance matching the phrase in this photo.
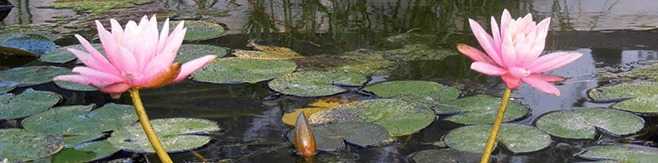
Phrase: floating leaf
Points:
(623, 91)
(643, 104)
(480, 109)
(627, 153)
(332, 137)
(398, 117)
(360, 61)
(416, 52)
(62, 55)
(318, 105)
(236, 70)
(315, 83)
(74, 86)
(6, 86)
(71, 141)
(32, 75)
(650, 72)
(268, 55)
(22, 145)
(188, 52)
(415, 91)
(582, 123)
(515, 137)
(81, 120)
(33, 43)
(200, 30)
(176, 135)
(444, 156)
(86, 152)
(27, 103)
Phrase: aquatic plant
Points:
(512, 51)
(136, 57)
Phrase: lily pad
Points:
(33, 43)
(582, 123)
(415, 91)
(397, 116)
(316, 83)
(312, 108)
(32, 75)
(200, 30)
(6, 86)
(236, 70)
(74, 86)
(417, 52)
(86, 152)
(22, 145)
(515, 137)
(176, 135)
(71, 141)
(27, 103)
(623, 91)
(61, 55)
(81, 120)
(643, 104)
(480, 109)
(188, 52)
(650, 72)
(444, 156)
(627, 153)
(332, 137)
(267, 52)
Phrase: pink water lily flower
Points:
(135, 57)
(513, 52)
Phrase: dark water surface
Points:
(249, 115)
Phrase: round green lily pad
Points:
(81, 119)
(188, 52)
(627, 153)
(236, 70)
(332, 137)
(21, 145)
(176, 135)
(32, 75)
(397, 116)
(200, 30)
(515, 137)
(316, 83)
(27, 103)
(445, 156)
(623, 91)
(61, 55)
(32, 43)
(421, 91)
(480, 109)
(71, 141)
(86, 152)
(74, 86)
(582, 123)
(643, 104)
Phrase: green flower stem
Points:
(148, 129)
(491, 141)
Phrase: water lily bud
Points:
(304, 139)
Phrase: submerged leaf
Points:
(21, 145)
(27, 103)
(515, 137)
(81, 120)
(316, 83)
(176, 135)
(237, 70)
(32, 75)
(582, 123)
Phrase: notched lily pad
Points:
(332, 137)
(582, 123)
(316, 83)
(445, 156)
(397, 116)
(61, 55)
(480, 109)
(200, 30)
(236, 70)
(627, 153)
(188, 52)
(27, 103)
(32, 75)
(415, 91)
(643, 104)
(81, 120)
(22, 145)
(623, 91)
(515, 137)
(176, 135)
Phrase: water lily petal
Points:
(542, 85)
(552, 61)
(487, 68)
(511, 81)
(473, 53)
(194, 65)
(485, 40)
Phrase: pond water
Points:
(615, 37)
